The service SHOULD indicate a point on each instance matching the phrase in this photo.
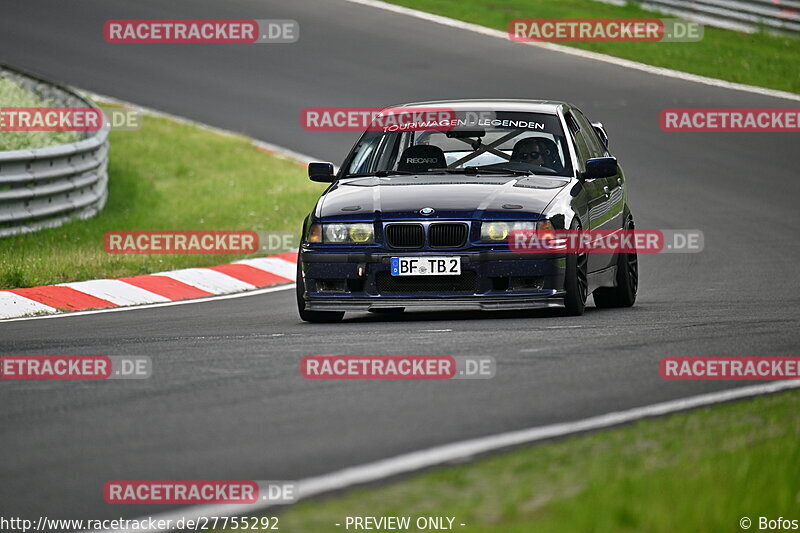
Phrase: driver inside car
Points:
(537, 151)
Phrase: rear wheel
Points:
(311, 316)
(576, 281)
(624, 294)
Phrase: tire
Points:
(624, 294)
(576, 282)
(317, 317)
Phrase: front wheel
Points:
(576, 281)
(311, 316)
(624, 294)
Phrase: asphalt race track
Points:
(227, 401)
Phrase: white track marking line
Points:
(207, 299)
(467, 449)
(659, 71)
(15, 305)
(273, 265)
(208, 280)
(116, 292)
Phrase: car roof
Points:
(530, 106)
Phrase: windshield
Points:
(469, 142)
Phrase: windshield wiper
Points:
(385, 173)
(380, 174)
(470, 171)
(477, 170)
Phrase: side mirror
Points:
(322, 172)
(601, 132)
(601, 167)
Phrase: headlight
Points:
(334, 233)
(360, 233)
(499, 231)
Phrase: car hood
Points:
(401, 197)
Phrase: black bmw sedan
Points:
(420, 214)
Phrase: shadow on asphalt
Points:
(439, 316)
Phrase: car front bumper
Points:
(489, 280)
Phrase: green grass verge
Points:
(165, 176)
(755, 59)
(696, 471)
(12, 94)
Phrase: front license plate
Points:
(426, 266)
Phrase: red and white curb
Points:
(161, 287)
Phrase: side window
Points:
(578, 139)
(592, 141)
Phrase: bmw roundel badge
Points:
(426, 211)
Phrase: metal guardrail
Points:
(782, 16)
(46, 187)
